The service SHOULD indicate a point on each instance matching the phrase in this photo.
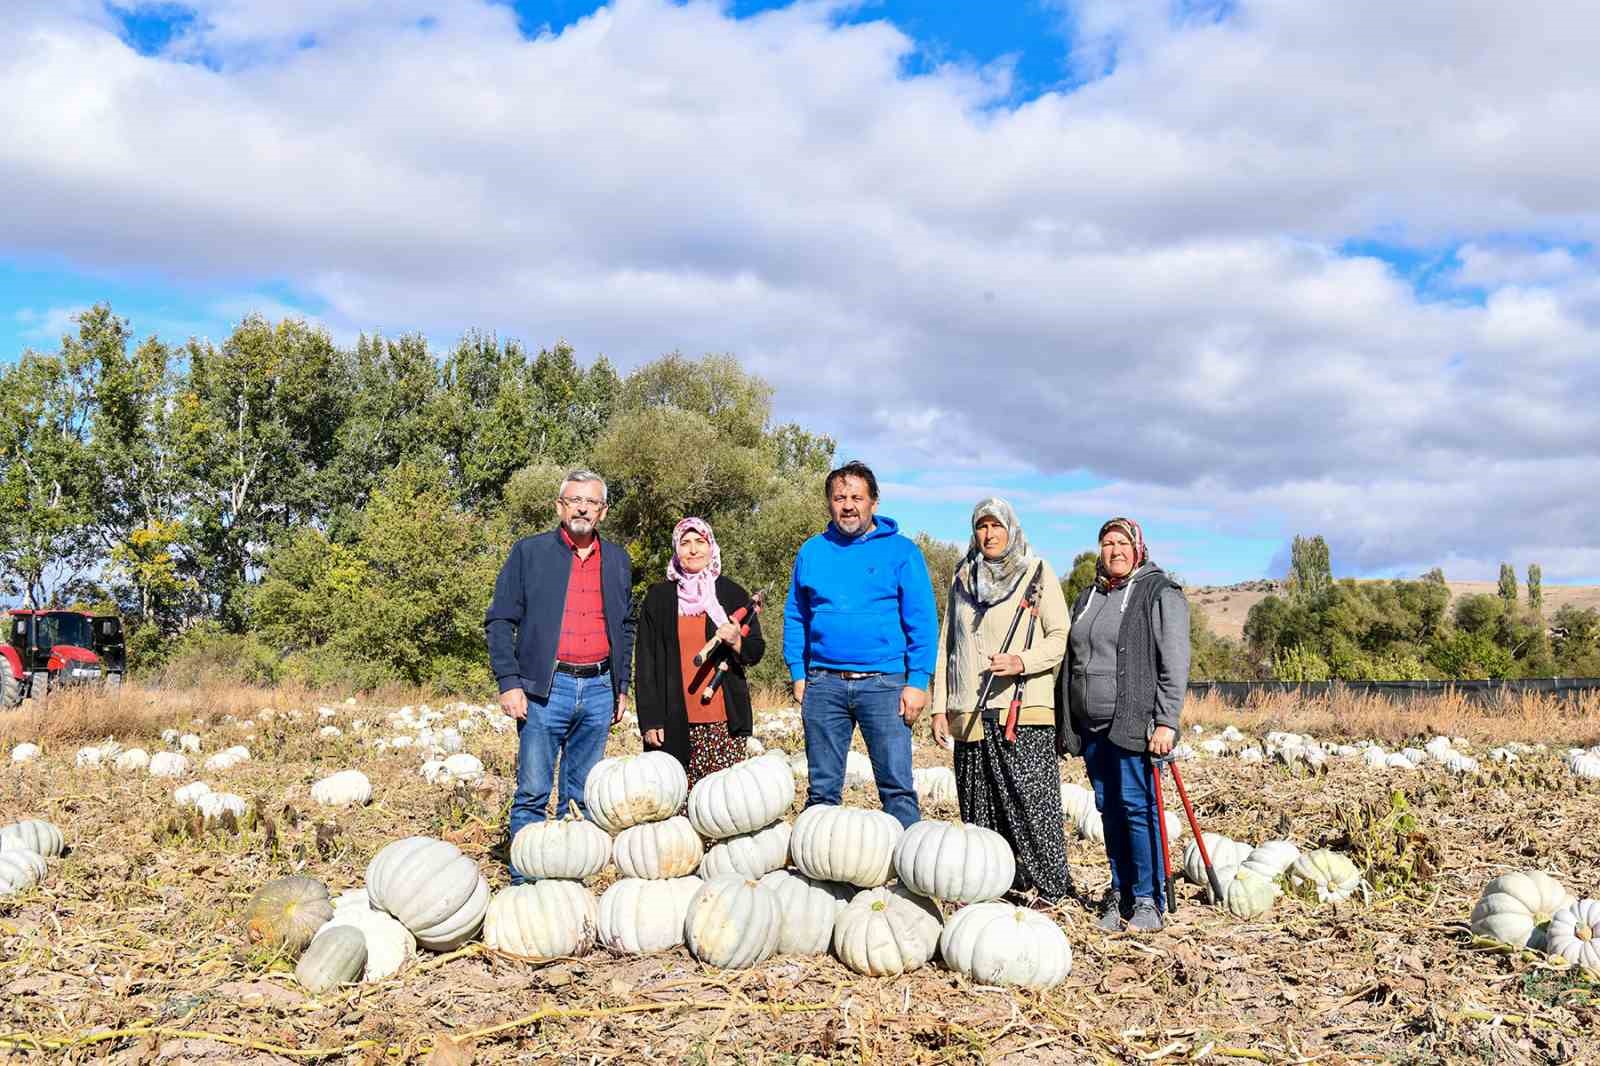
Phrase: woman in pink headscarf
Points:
(681, 710)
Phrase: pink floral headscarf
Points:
(697, 593)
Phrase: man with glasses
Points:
(860, 636)
(560, 633)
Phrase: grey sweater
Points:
(1094, 651)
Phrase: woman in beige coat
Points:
(1009, 785)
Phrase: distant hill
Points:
(1227, 606)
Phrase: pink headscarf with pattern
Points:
(697, 593)
(1130, 529)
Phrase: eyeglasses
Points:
(573, 501)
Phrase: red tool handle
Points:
(1194, 827)
(744, 630)
(1166, 846)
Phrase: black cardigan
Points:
(658, 666)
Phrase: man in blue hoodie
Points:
(859, 635)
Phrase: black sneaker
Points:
(1146, 916)
(1110, 913)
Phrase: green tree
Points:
(942, 557)
(1310, 570)
(1535, 587)
(1479, 614)
(1080, 577)
(1300, 663)
(1508, 586)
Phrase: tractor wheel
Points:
(10, 685)
(39, 687)
(113, 681)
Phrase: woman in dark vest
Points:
(678, 616)
(1126, 672)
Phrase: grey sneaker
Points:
(1146, 916)
(1110, 913)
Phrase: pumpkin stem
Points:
(573, 812)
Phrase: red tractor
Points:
(49, 649)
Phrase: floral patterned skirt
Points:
(1015, 789)
(712, 748)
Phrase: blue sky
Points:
(1155, 257)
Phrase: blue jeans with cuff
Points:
(572, 723)
(832, 710)
(1125, 798)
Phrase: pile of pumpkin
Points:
(1250, 877)
(1531, 909)
(24, 847)
(733, 904)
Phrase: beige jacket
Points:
(958, 676)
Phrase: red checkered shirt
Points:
(583, 620)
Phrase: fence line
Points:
(1240, 692)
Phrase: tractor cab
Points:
(47, 649)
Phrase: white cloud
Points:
(1139, 279)
(47, 325)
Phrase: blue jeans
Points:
(1125, 799)
(573, 722)
(833, 708)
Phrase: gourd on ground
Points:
(749, 855)
(882, 933)
(20, 869)
(630, 790)
(807, 909)
(432, 888)
(743, 798)
(389, 944)
(336, 956)
(849, 844)
(640, 916)
(33, 834)
(542, 921)
(657, 850)
(347, 788)
(1330, 875)
(1516, 908)
(1250, 893)
(1000, 944)
(570, 848)
(288, 912)
(1222, 850)
(731, 923)
(1271, 859)
(954, 861)
(1574, 934)
(935, 786)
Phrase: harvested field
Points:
(131, 950)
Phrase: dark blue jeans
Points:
(1125, 799)
(573, 723)
(833, 709)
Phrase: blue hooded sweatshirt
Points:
(861, 603)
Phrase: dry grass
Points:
(132, 951)
(1531, 717)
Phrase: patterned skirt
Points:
(1015, 789)
(712, 748)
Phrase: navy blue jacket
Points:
(523, 624)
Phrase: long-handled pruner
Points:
(740, 615)
(1170, 762)
(1030, 601)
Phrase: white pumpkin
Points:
(807, 910)
(168, 764)
(189, 742)
(1516, 908)
(1077, 802)
(389, 944)
(883, 932)
(1090, 826)
(1271, 859)
(750, 855)
(858, 770)
(432, 888)
(955, 862)
(1586, 765)
(33, 834)
(20, 869)
(1250, 894)
(1223, 852)
(999, 944)
(336, 956)
(133, 759)
(1332, 876)
(731, 923)
(745, 797)
(347, 788)
(188, 795)
(658, 850)
(571, 848)
(213, 806)
(936, 786)
(542, 921)
(87, 758)
(1574, 934)
(463, 767)
(24, 752)
(640, 916)
(631, 790)
(849, 844)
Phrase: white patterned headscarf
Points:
(990, 581)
